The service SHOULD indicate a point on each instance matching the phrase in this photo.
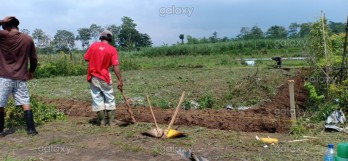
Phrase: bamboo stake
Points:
(326, 55)
(324, 37)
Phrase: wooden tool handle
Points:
(176, 110)
(153, 115)
(129, 110)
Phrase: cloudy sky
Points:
(164, 20)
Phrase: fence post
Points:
(292, 101)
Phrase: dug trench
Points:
(272, 116)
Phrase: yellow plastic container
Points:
(269, 140)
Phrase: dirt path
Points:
(76, 139)
(272, 116)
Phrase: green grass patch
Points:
(210, 87)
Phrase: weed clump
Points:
(42, 113)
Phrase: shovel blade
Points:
(157, 133)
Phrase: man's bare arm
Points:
(117, 72)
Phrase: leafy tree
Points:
(293, 30)
(38, 35)
(337, 27)
(130, 38)
(326, 55)
(84, 36)
(276, 32)
(256, 33)
(203, 40)
(115, 30)
(26, 31)
(225, 39)
(316, 42)
(192, 40)
(182, 36)
(214, 38)
(337, 41)
(42, 41)
(128, 34)
(305, 29)
(64, 40)
(95, 31)
(144, 41)
(244, 33)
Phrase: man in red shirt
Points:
(16, 49)
(101, 56)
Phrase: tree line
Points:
(125, 37)
(294, 30)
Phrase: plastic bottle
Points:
(330, 153)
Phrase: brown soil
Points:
(272, 116)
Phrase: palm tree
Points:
(182, 36)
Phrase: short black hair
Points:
(13, 23)
(107, 38)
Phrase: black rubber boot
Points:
(101, 118)
(28, 115)
(2, 123)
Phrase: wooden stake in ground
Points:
(292, 101)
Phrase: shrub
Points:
(42, 113)
(298, 128)
(314, 98)
(206, 101)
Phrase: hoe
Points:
(167, 133)
(129, 110)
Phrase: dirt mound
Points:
(272, 116)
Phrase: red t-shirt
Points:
(101, 56)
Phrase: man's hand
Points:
(29, 76)
(120, 86)
(6, 19)
(119, 77)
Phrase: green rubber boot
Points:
(101, 118)
(111, 117)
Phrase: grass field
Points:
(211, 78)
(73, 64)
(164, 86)
(219, 80)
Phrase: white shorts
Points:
(18, 88)
(102, 95)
